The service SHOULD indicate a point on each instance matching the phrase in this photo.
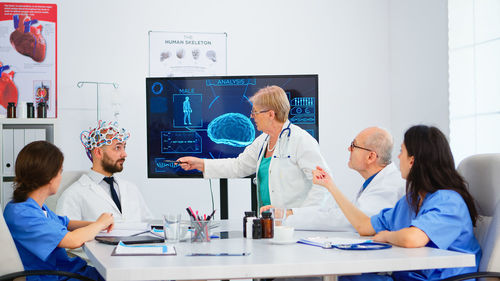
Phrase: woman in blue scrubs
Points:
(40, 235)
(437, 210)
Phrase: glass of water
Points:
(172, 227)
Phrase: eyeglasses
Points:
(352, 146)
(253, 113)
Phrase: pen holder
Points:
(200, 231)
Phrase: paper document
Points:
(122, 249)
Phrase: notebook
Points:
(127, 240)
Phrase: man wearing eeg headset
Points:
(282, 158)
(100, 190)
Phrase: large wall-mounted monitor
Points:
(209, 117)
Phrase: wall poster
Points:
(175, 54)
(28, 56)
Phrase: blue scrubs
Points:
(37, 235)
(445, 218)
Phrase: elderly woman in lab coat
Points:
(282, 158)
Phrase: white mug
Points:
(283, 233)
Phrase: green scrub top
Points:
(263, 177)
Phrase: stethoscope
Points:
(363, 246)
(279, 137)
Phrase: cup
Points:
(283, 233)
(200, 231)
(172, 227)
(279, 216)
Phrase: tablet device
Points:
(113, 240)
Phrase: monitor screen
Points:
(209, 117)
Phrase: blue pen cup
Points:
(200, 230)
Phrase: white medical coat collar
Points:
(378, 177)
(282, 135)
(86, 180)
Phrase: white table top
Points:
(266, 260)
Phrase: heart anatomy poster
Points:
(174, 54)
(28, 56)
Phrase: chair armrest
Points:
(473, 275)
(12, 276)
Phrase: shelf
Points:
(34, 121)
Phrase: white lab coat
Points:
(290, 170)
(86, 200)
(385, 189)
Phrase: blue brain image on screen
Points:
(234, 129)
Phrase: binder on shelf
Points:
(18, 143)
(8, 152)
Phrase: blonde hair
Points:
(275, 99)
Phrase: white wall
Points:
(418, 32)
(370, 71)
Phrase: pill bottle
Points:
(257, 229)
(247, 215)
(41, 110)
(249, 227)
(11, 110)
(30, 111)
(267, 225)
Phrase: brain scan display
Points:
(234, 129)
(209, 117)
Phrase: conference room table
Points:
(266, 259)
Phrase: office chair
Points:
(482, 172)
(11, 266)
(67, 179)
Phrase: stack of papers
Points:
(143, 250)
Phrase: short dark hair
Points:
(36, 165)
(433, 167)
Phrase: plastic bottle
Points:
(41, 110)
(30, 110)
(11, 110)
(267, 225)
(257, 229)
(249, 227)
(247, 214)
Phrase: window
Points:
(474, 56)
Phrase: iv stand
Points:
(81, 83)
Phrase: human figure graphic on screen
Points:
(283, 157)
(186, 108)
(101, 190)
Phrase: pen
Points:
(211, 215)
(173, 161)
(217, 254)
(147, 231)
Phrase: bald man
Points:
(370, 156)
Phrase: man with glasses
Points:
(370, 156)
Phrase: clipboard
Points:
(169, 250)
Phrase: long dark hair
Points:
(36, 165)
(433, 167)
